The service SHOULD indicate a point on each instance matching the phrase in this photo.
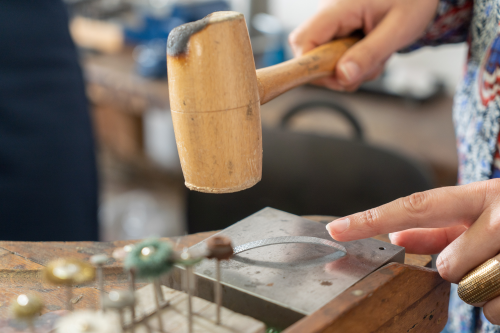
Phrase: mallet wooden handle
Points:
(320, 62)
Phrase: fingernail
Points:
(338, 226)
(351, 71)
(439, 262)
(392, 236)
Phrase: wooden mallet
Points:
(216, 93)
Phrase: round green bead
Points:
(150, 259)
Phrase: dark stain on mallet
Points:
(179, 37)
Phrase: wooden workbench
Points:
(418, 301)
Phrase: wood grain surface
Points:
(21, 264)
(398, 294)
(396, 298)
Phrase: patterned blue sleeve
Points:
(450, 25)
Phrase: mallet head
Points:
(215, 106)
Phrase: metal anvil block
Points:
(279, 284)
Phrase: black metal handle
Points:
(334, 107)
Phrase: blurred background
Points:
(325, 153)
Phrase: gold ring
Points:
(482, 284)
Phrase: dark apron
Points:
(48, 182)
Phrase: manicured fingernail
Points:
(338, 226)
(392, 236)
(351, 72)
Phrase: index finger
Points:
(438, 208)
(317, 30)
(335, 19)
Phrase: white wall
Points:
(242, 6)
(292, 12)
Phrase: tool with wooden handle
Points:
(216, 93)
